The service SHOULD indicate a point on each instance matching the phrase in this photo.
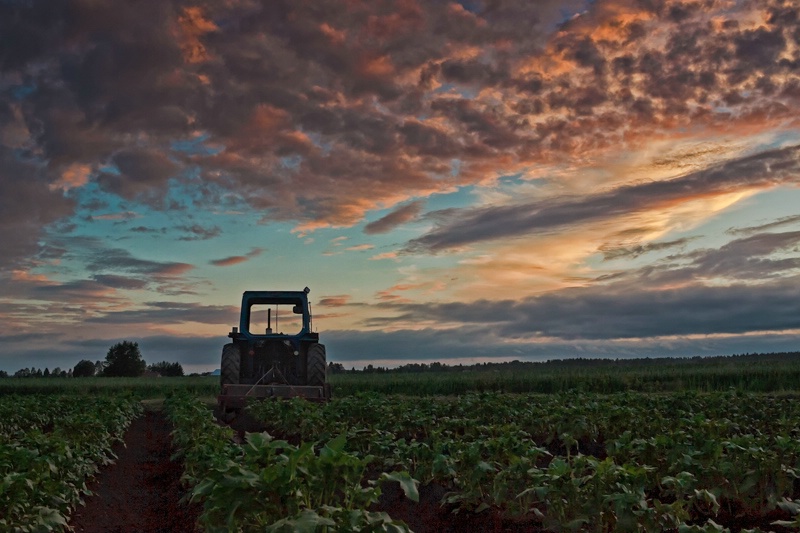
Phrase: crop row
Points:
(585, 462)
(266, 484)
(49, 446)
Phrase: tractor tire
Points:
(231, 363)
(317, 365)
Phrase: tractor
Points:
(273, 353)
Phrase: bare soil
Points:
(141, 492)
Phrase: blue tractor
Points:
(273, 352)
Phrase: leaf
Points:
(788, 505)
(482, 507)
(407, 483)
(306, 522)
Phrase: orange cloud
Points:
(338, 300)
(377, 67)
(75, 175)
(193, 25)
(336, 36)
(360, 248)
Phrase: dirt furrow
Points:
(142, 490)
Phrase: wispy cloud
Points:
(360, 247)
(630, 252)
(399, 216)
(197, 232)
(781, 222)
(237, 259)
(471, 225)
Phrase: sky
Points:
(455, 181)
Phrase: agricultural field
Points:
(50, 445)
(712, 448)
(500, 462)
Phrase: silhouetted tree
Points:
(167, 369)
(124, 359)
(83, 369)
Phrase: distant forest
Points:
(578, 362)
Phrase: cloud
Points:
(756, 258)
(197, 352)
(385, 255)
(125, 215)
(322, 114)
(196, 232)
(236, 259)
(338, 300)
(469, 345)
(360, 248)
(471, 225)
(117, 259)
(337, 128)
(630, 252)
(399, 216)
(120, 282)
(620, 312)
(166, 312)
(140, 173)
(27, 205)
(783, 221)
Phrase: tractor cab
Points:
(273, 352)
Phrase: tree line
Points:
(577, 362)
(124, 359)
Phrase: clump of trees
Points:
(166, 369)
(124, 359)
(34, 372)
(86, 369)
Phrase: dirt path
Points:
(141, 491)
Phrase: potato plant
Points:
(579, 461)
(268, 484)
(50, 445)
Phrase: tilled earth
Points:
(142, 490)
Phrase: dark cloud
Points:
(629, 252)
(468, 344)
(27, 205)
(194, 352)
(236, 259)
(467, 226)
(139, 174)
(196, 232)
(121, 282)
(145, 229)
(357, 348)
(624, 311)
(399, 216)
(758, 257)
(338, 300)
(169, 313)
(119, 260)
(783, 221)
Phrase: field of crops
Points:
(567, 462)
(684, 456)
(49, 446)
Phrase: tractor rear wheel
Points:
(231, 362)
(316, 365)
